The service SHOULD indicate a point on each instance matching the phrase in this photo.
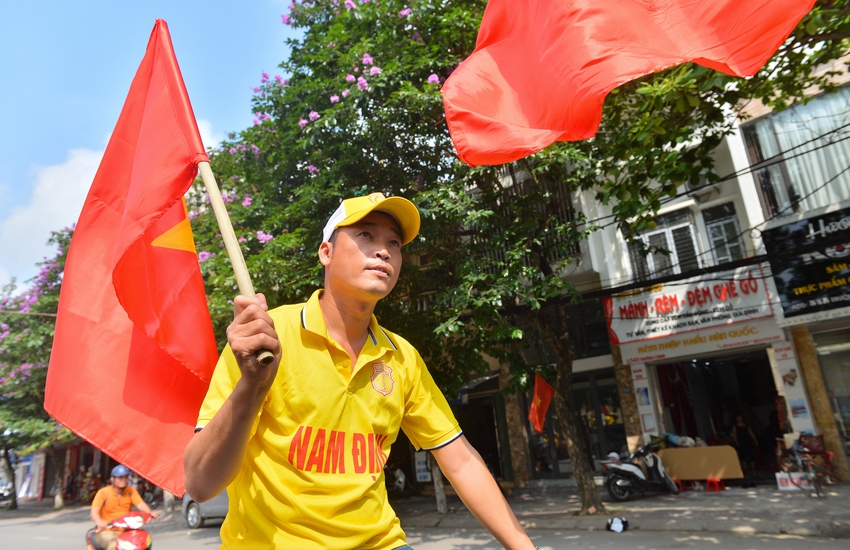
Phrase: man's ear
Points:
(325, 253)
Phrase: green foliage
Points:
(494, 245)
(26, 336)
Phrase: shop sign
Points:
(817, 278)
(703, 341)
(663, 310)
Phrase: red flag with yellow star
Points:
(543, 393)
(134, 348)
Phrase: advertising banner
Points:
(810, 259)
(726, 337)
(666, 309)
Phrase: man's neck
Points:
(347, 322)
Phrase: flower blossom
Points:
(302, 122)
(345, 93)
(264, 237)
(232, 150)
(405, 12)
(350, 4)
(278, 79)
(203, 255)
(286, 19)
(246, 202)
(433, 79)
(312, 169)
(367, 59)
(256, 151)
(362, 84)
(374, 70)
(192, 214)
(350, 78)
(256, 89)
(334, 99)
(265, 77)
(314, 116)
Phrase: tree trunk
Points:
(58, 477)
(552, 324)
(13, 502)
(517, 432)
(439, 489)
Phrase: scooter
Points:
(132, 538)
(622, 479)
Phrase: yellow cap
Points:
(355, 209)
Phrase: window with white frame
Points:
(668, 249)
(724, 233)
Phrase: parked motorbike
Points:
(623, 479)
(132, 538)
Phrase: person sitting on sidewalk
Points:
(114, 501)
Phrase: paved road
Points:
(66, 530)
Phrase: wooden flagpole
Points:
(234, 252)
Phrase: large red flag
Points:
(134, 348)
(543, 393)
(541, 68)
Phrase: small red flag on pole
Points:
(134, 347)
(541, 68)
(543, 393)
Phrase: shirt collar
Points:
(313, 320)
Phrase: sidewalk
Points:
(760, 510)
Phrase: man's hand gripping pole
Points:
(243, 278)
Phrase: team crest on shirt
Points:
(382, 378)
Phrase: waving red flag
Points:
(541, 68)
(134, 348)
(543, 393)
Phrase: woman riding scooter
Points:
(115, 501)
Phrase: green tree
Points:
(361, 112)
(26, 337)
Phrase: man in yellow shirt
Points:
(300, 443)
(114, 501)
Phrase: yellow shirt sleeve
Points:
(428, 420)
(224, 379)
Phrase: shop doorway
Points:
(701, 398)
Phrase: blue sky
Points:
(66, 68)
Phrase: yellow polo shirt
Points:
(313, 475)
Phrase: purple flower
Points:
(362, 84)
(256, 151)
(242, 240)
(247, 201)
(312, 169)
(302, 122)
(292, 5)
(416, 37)
(374, 70)
(314, 116)
(203, 256)
(263, 237)
(256, 89)
(286, 19)
(350, 78)
(232, 150)
(278, 79)
(192, 214)
(331, 44)
(256, 122)
(405, 12)
(334, 99)
(265, 77)
(367, 59)
(350, 4)
(345, 93)
(433, 79)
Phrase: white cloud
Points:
(210, 138)
(57, 198)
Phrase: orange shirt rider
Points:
(118, 499)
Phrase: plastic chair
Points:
(714, 484)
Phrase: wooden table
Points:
(698, 463)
